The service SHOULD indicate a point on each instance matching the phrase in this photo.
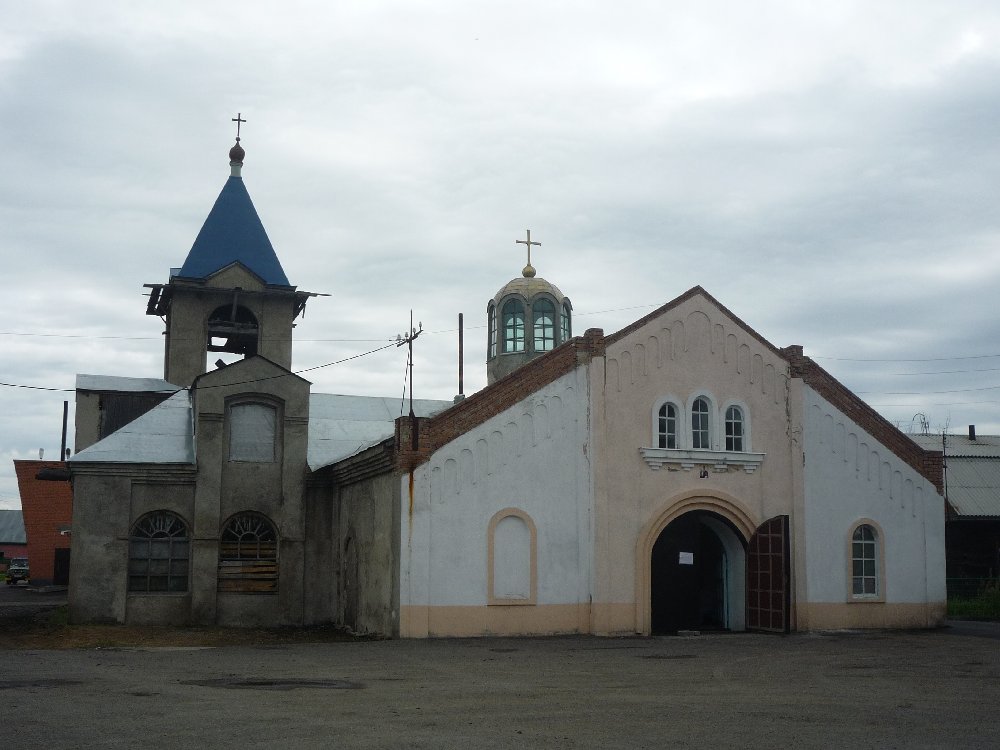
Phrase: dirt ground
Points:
(112, 687)
(32, 620)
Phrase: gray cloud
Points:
(826, 173)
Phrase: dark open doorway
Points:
(697, 575)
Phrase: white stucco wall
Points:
(849, 476)
(532, 457)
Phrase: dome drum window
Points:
(513, 327)
(525, 319)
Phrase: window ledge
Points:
(686, 459)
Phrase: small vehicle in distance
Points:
(17, 570)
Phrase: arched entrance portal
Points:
(698, 575)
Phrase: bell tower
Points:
(231, 295)
(526, 318)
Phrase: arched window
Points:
(513, 326)
(667, 427)
(543, 314)
(248, 555)
(565, 332)
(865, 562)
(492, 326)
(735, 429)
(158, 553)
(700, 436)
(252, 432)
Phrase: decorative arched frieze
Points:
(555, 407)
(466, 469)
(666, 345)
(699, 332)
(627, 376)
(718, 339)
(482, 459)
(653, 353)
(612, 375)
(732, 349)
(743, 362)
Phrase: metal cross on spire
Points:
(238, 120)
(529, 270)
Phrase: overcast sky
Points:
(827, 171)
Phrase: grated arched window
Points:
(158, 553)
(565, 332)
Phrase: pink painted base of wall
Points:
(870, 615)
(620, 619)
(543, 619)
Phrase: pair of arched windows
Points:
(513, 329)
(669, 428)
(159, 554)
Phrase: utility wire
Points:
(227, 385)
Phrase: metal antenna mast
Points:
(408, 339)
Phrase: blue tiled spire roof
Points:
(233, 234)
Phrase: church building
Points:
(681, 474)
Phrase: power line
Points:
(924, 359)
(227, 385)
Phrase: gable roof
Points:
(233, 233)
(973, 472)
(694, 291)
(160, 436)
(12, 527)
(926, 462)
(339, 427)
(343, 426)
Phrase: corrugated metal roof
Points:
(12, 527)
(340, 426)
(123, 385)
(974, 485)
(973, 471)
(233, 233)
(960, 445)
(160, 436)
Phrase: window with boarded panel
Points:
(248, 555)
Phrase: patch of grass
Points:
(986, 606)
(59, 616)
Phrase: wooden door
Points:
(769, 577)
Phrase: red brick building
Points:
(47, 506)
